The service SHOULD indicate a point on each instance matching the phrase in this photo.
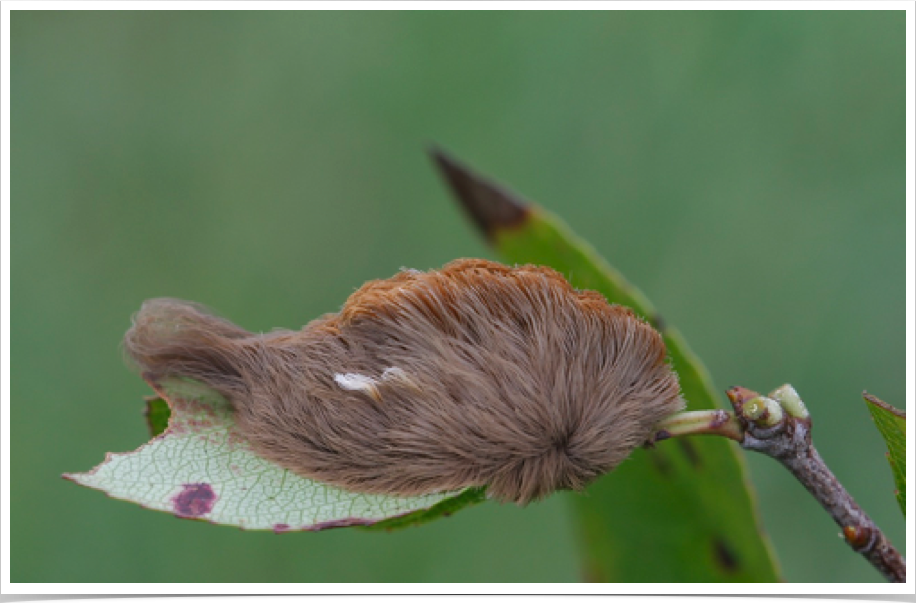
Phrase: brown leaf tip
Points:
(488, 204)
(882, 404)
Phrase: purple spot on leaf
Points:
(281, 527)
(194, 500)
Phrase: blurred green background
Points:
(745, 169)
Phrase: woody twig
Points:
(779, 426)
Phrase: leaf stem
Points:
(779, 426)
(699, 422)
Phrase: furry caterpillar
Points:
(473, 375)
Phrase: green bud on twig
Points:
(789, 399)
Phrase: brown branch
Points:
(779, 426)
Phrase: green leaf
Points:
(469, 497)
(891, 423)
(157, 415)
(201, 468)
(681, 512)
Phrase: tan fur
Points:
(496, 376)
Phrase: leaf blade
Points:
(688, 491)
(891, 423)
(201, 468)
(444, 508)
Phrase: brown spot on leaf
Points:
(593, 573)
(690, 452)
(234, 439)
(724, 556)
(194, 500)
(660, 462)
(200, 414)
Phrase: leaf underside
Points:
(891, 422)
(681, 512)
(200, 468)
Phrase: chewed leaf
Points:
(201, 468)
(892, 425)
